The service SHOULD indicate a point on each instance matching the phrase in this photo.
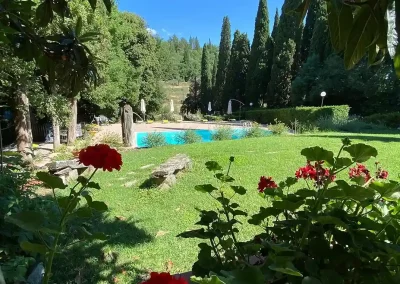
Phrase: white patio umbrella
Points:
(209, 107)
(143, 107)
(229, 107)
(171, 106)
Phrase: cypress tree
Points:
(297, 59)
(223, 61)
(320, 41)
(214, 71)
(261, 35)
(284, 51)
(276, 24)
(309, 28)
(205, 86)
(237, 70)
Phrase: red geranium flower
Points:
(164, 278)
(315, 172)
(266, 183)
(101, 156)
(360, 171)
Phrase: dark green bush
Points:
(391, 119)
(188, 137)
(278, 128)
(301, 114)
(222, 133)
(155, 139)
(254, 132)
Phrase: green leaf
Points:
(212, 280)
(330, 277)
(396, 61)
(234, 205)
(391, 233)
(356, 192)
(340, 18)
(98, 205)
(334, 193)
(199, 234)
(239, 190)
(44, 13)
(93, 4)
(290, 181)
(343, 162)
(213, 166)
(317, 154)
(287, 205)
(305, 193)
(386, 189)
(207, 217)
(224, 178)
(78, 26)
(288, 268)
(94, 185)
(50, 180)
(32, 247)
(63, 201)
(279, 247)
(325, 220)
(84, 212)
(206, 188)
(310, 280)
(264, 213)
(361, 152)
(239, 213)
(250, 274)
(372, 54)
(27, 220)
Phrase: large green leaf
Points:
(50, 180)
(211, 280)
(224, 178)
(98, 205)
(250, 274)
(361, 152)
(330, 220)
(340, 19)
(264, 213)
(287, 268)
(199, 234)
(27, 220)
(356, 192)
(330, 277)
(385, 189)
(318, 154)
(32, 247)
(239, 190)
(78, 26)
(213, 166)
(342, 162)
(206, 188)
(287, 205)
(44, 13)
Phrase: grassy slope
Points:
(148, 212)
(175, 92)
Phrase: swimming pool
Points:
(171, 136)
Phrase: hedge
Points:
(391, 119)
(302, 114)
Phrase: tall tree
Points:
(284, 51)
(297, 61)
(235, 86)
(223, 61)
(196, 43)
(261, 35)
(206, 78)
(214, 71)
(320, 41)
(311, 18)
(276, 24)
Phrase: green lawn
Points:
(143, 223)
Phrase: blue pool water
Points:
(171, 136)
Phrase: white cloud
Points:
(153, 32)
(166, 32)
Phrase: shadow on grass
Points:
(149, 183)
(95, 261)
(361, 136)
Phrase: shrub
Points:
(316, 228)
(92, 127)
(155, 139)
(222, 133)
(353, 124)
(391, 119)
(254, 132)
(278, 128)
(305, 127)
(111, 138)
(301, 114)
(214, 117)
(194, 116)
(188, 137)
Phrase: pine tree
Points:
(284, 51)
(206, 77)
(237, 70)
(309, 27)
(320, 41)
(223, 61)
(261, 35)
(196, 43)
(276, 24)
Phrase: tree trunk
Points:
(73, 121)
(23, 128)
(128, 133)
(56, 134)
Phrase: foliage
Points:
(258, 47)
(223, 61)
(314, 230)
(301, 114)
(278, 128)
(188, 137)
(111, 138)
(206, 78)
(389, 119)
(92, 127)
(194, 116)
(311, 18)
(214, 117)
(222, 133)
(155, 139)
(192, 102)
(254, 132)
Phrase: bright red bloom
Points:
(360, 171)
(315, 172)
(101, 156)
(266, 183)
(164, 278)
(382, 174)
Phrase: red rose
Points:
(101, 156)
(164, 278)
(266, 183)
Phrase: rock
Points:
(36, 277)
(59, 165)
(165, 174)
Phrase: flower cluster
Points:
(315, 172)
(361, 171)
(164, 278)
(101, 156)
(266, 183)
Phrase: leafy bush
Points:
(188, 137)
(353, 124)
(92, 127)
(155, 139)
(391, 119)
(194, 116)
(214, 117)
(317, 227)
(278, 128)
(222, 133)
(305, 127)
(254, 132)
(111, 138)
(301, 114)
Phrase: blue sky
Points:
(201, 18)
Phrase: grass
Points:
(176, 92)
(143, 223)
